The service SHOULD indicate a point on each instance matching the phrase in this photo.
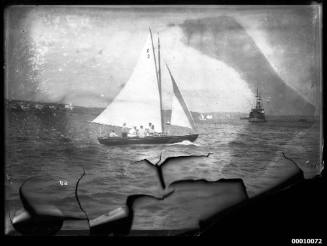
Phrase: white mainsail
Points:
(138, 103)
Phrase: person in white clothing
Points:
(141, 133)
(132, 132)
(124, 131)
(112, 134)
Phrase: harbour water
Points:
(54, 146)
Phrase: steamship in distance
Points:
(257, 114)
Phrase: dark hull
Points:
(256, 120)
(147, 140)
(256, 115)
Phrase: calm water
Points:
(54, 146)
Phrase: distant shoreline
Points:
(196, 115)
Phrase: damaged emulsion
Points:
(159, 166)
(47, 219)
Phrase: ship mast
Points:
(257, 101)
(258, 104)
(158, 75)
(160, 89)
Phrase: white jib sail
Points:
(178, 116)
(138, 103)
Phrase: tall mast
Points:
(159, 85)
(258, 103)
(154, 57)
(157, 75)
(258, 99)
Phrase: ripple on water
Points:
(60, 147)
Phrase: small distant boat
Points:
(39, 106)
(202, 117)
(209, 117)
(257, 114)
(69, 106)
(136, 109)
(24, 107)
(14, 107)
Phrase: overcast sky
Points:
(84, 55)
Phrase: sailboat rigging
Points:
(140, 103)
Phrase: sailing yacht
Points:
(209, 117)
(140, 103)
(202, 117)
(69, 106)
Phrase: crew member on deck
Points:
(132, 132)
(141, 133)
(151, 129)
(124, 131)
(148, 130)
(112, 134)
